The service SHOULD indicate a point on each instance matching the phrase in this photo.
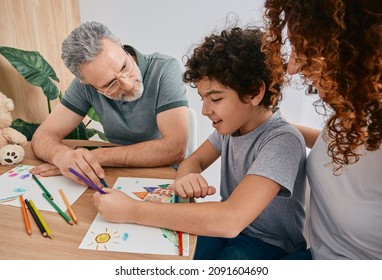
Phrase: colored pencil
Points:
(55, 206)
(42, 187)
(43, 231)
(180, 234)
(103, 183)
(25, 214)
(180, 237)
(47, 230)
(88, 182)
(71, 212)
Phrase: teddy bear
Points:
(11, 141)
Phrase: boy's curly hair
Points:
(234, 58)
(342, 43)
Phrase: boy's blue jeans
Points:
(242, 247)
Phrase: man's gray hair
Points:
(83, 44)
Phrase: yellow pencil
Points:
(71, 212)
(41, 219)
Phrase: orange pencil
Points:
(25, 214)
(71, 212)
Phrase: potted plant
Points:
(38, 72)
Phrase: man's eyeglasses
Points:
(125, 72)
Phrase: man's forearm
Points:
(45, 146)
(145, 154)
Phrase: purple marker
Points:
(88, 182)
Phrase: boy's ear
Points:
(257, 99)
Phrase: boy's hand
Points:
(114, 206)
(193, 185)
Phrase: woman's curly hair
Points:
(234, 58)
(341, 43)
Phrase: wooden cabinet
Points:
(35, 25)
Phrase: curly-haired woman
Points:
(337, 45)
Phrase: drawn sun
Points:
(101, 239)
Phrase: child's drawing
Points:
(103, 235)
(101, 239)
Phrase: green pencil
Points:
(66, 217)
(42, 187)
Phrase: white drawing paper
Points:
(123, 237)
(18, 182)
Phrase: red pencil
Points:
(25, 214)
(180, 237)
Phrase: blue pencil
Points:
(88, 182)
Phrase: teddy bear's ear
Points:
(9, 104)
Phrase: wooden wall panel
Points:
(35, 25)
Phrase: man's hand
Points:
(81, 160)
(45, 170)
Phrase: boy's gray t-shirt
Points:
(274, 150)
(128, 123)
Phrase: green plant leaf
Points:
(92, 131)
(93, 115)
(34, 68)
(28, 129)
(78, 133)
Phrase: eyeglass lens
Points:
(126, 71)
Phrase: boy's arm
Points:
(189, 182)
(199, 160)
(224, 219)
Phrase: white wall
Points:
(173, 27)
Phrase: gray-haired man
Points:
(140, 99)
